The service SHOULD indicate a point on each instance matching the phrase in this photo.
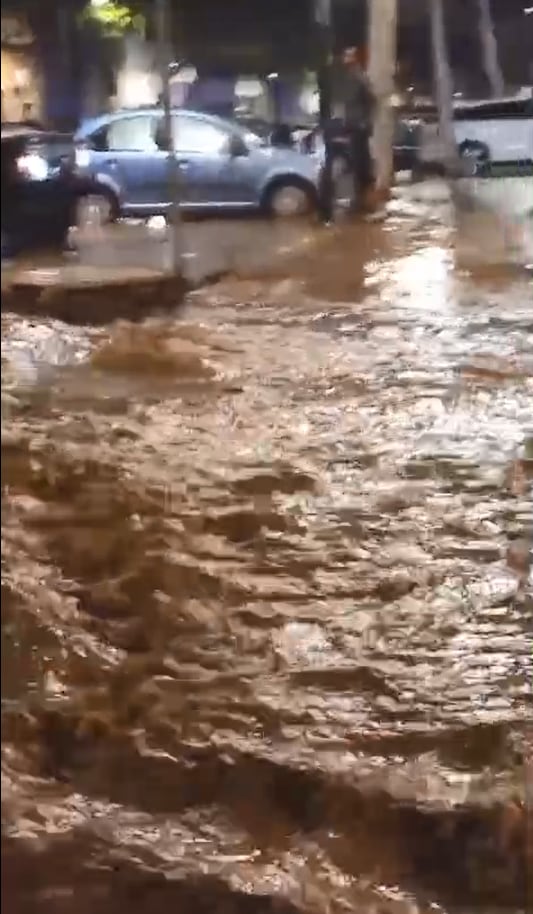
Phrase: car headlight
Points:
(82, 158)
(33, 166)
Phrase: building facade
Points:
(22, 76)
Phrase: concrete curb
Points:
(93, 301)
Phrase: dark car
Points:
(405, 148)
(41, 188)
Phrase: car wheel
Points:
(475, 156)
(96, 209)
(288, 199)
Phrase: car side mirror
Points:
(237, 147)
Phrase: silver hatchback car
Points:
(222, 166)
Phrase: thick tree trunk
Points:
(489, 46)
(443, 81)
(382, 46)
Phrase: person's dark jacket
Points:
(355, 99)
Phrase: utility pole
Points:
(489, 46)
(164, 54)
(322, 11)
(442, 76)
(382, 49)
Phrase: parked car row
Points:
(118, 164)
(224, 165)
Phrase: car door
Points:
(133, 162)
(211, 175)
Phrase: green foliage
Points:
(114, 18)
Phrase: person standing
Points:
(355, 106)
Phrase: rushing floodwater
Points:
(266, 627)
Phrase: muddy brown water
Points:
(266, 625)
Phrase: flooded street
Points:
(267, 617)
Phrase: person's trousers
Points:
(361, 161)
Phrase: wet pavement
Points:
(267, 619)
(208, 249)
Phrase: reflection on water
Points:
(266, 629)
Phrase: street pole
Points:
(322, 11)
(164, 54)
(382, 49)
(489, 45)
(442, 75)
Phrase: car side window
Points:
(196, 135)
(132, 134)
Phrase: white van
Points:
(491, 132)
